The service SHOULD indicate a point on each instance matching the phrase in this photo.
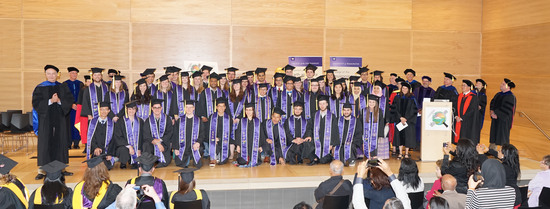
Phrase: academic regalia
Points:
(207, 102)
(247, 136)
(81, 122)
(296, 127)
(335, 106)
(504, 106)
(13, 194)
(392, 88)
(160, 128)
(117, 101)
(128, 133)
(405, 107)
(420, 93)
(467, 108)
(263, 108)
(311, 105)
(358, 104)
(350, 138)
(66, 202)
(182, 94)
(169, 104)
(414, 84)
(318, 128)
(284, 99)
(446, 92)
(91, 97)
(74, 87)
(188, 131)
(390, 115)
(153, 89)
(219, 127)
(106, 196)
(373, 130)
(100, 135)
(52, 145)
(366, 87)
(482, 97)
(61, 199)
(187, 175)
(158, 185)
(281, 144)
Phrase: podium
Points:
(437, 125)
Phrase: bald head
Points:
(336, 168)
(448, 182)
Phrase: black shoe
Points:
(134, 166)
(313, 162)
(76, 146)
(39, 176)
(66, 173)
(70, 147)
(122, 165)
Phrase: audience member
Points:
(454, 199)
(540, 181)
(490, 191)
(335, 185)
(436, 187)
(464, 164)
(408, 176)
(438, 203)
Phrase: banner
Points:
(192, 66)
(301, 62)
(437, 118)
(345, 66)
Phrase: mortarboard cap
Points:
(451, 76)
(406, 85)
(97, 70)
(184, 74)
(377, 72)
(379, 83)
(289, 67)
(221, 100)
(289, 78)
(149, 71)
(163, 78)
(362, 70)
(354, 78)
(214, 75)
(93, 162)
(231, 69)
(482, 82)
(140, 81)
(187, 174)
(87, 77)
(222, 75)
(147, 160)
(297, 79)
(399, 80)
(189, 102)
(250, 104)
(468, 82)
(357, 84)
(206, 67)
(237, 81)
(279, 111)
(427, 77)
(393, 74)
(321, 78)
(347, 105)
(322, 97)
(244, 78)
(104, 104)
(70, 69)
(118, 77)
(311, 67)
(250, 73)
(510, 83)
(409, 71)
(373, 97)
(52, 67)
(172, 69)
(197, 74)
(53, 169)
(130, 104)
(156, 101)
(112, 71)
(331, 71)
(6, 164)
(260, 70)
(263, 85)
(298, 103)
(279, 75)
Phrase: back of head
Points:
(466, 154)
(546, 160)
(126, 199)
(438, 203)
(448, 182)
(53, 189)
(379, 178)
(408, 173)
(511, 157)
(302, 205)
(493, 174)
(393, 203)
(94, 178)
(336, 167)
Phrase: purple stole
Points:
(224, 139)
(132, 135)
(153, 89)
(340, 105)
(326, 140)
(209, 104)
(306, 105)
(143, 111)
(93, 97)
(255, 143)
(348, 139)
(194, 137)
(181, 103)
(382, 105)
(284, 101)
(362, 103)
(291, 126)
(306, 84)
(267, 108)
(193, 93)
(370, 132)
(108, 137)
(368, 84)
(158, 134)
(282, 139)
(160, 95)
(235, 113)
(116, 103)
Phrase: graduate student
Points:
(147, 163)
(351, 133)
(188, 137)
(128, 136)
(157, 134)
(219, 136)
(322, 134)
(186, 190)
(96, 190)
(13, 193)
(273, 135)
(296, 125)
(54, 193)
(247, 139)
(117, 97)
(100, 136)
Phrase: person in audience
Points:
(96, 190)
(186, 189)
(13, 193)
(464, 163)
(490, 191)
(438, 203)
(436, 187)
(147, 162)
(302, 205)
(54, 192)
(454, 199)
(408, 176)
(127, 198)
(540, 181)
(379, 174)
(335, 185)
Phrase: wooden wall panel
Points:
(80, 44)
(11, 93)
(498, 14)
(447, 51)
(381, 50)
(10, 8)
(194, 11)
(278, 12)
(10, 43)
(158, 45)
(77, 10)
(369, 14)
(453, 15)
(31, 79)
(271, 46)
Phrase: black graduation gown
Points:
(87, 103)
(98, 141)
(202, 111)
(120, 136)
(250, 142)
(265, 107)
(356, 141)
(66, 202)
(166, 140)
(470, 119)
(449, 93)
(52, 145)
(8, 199)
(312, 103)
(173, 103)
(334, 140)
(295, 151)
(482, 97)
(504, 106)
(150, 180)
(219, 134)
(110, 195)
(187, 155)
(276, 139)
(121, 112)
(191, 196)
(405, 107)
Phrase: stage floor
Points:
(531, 144)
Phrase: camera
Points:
(478, 177)
(139, 190)
(372, 163)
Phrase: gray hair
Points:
(337, 167)
(127, 199)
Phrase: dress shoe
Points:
(313, 162)
(66, 173)
(122, 165)
(39, 176)
(212, 163)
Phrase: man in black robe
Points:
(157, 134)
(503, 108)
(207, 98)
(447, 91)
(322, 122)
(466, 114)
(251, 137)
(219, 134)
(147, 163)
(92, 97)
(52, 101)
(277, 90)
(310, 99)
(274, 137)
(101, 130)
(296, 126)
(263, 103)
(187, 138)
(128, 136)
(349, 142)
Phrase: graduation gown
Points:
(52, 145)
(405, 107)
(157, 184)
(482, 97)
(372, 129)
(66, 202)
(207, 102)
(446, 92)
(316, 129)
(248, 134)
(186, 133)
(414, 84)
(358, 104)
(504, 106)
(169, 105)
(101, 137)
(106, 196)
(220, 127)
(467, 108)
(310, 104)
(81, 122)
(91, 96)
(336, 105)
(420, 93)
(263, 108)
(14, 195)
(164, 130)
(296, 127)
(280, 145)
(74, 87)
(191, 196)
(128, 133)
(117, 101)
(350, 139)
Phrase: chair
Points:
(523, 192)
(417, 199)
(544, 198)
(197, 204)
(56, 206)
(336, 202)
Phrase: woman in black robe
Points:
(252, 137)
(186, 191)
(406, 110)
(54, 192)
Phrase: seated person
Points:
(13, 193)
(96, 190)
(147, 162)
(54, 191)
(335, 185)
(186, 190)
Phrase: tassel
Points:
(135, 87)
(179, 78)
(126, 111)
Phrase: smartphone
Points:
(372, 163)
(445, 144)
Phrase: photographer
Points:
(490, 191)
(127, 199)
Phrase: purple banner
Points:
(346, 61)
(304, 61)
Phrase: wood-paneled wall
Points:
(131, 35)
(516, 45)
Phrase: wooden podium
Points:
(437, 125)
